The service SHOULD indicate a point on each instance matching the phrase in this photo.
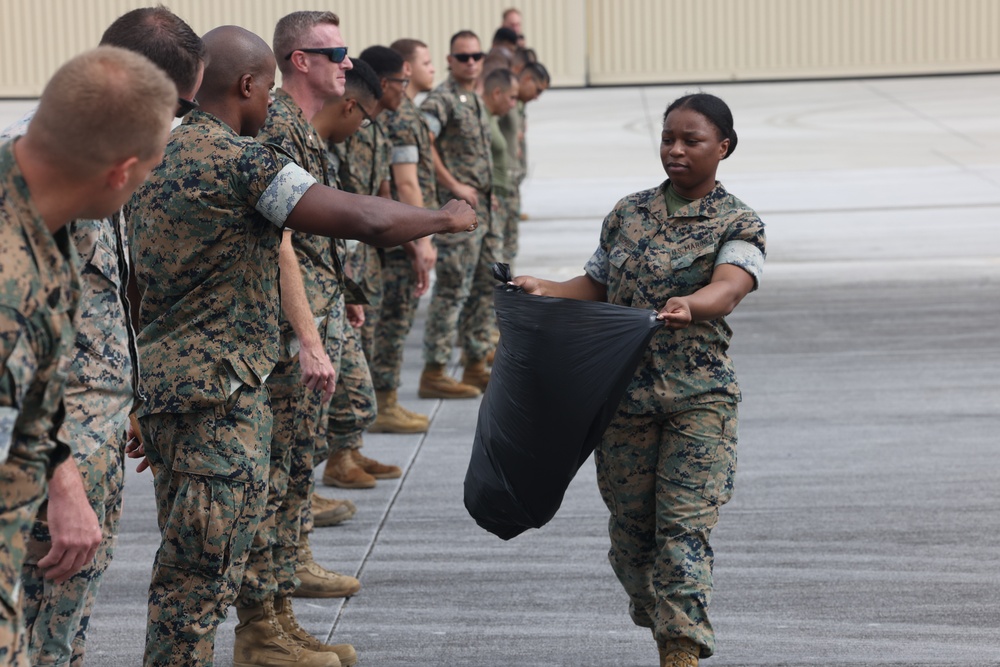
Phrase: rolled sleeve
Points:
(433, 123)
(745, 255)
(405, 155)
(598, 266)
(283, 193)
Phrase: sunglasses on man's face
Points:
(465, 57)
(336, 54)
(184, 107)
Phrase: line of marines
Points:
(227, 302)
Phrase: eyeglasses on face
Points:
(402, 81)
(336, 54)
(184, 107)
(464, 57)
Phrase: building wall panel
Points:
(39, 35)
(583, 42)
(670, 41)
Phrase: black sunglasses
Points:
(336, 54)
(464, 57)
(184, 107)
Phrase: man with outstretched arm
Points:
(205, 238)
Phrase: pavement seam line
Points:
(385, 515)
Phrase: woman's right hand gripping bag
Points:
(560, 370)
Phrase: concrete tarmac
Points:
(865, 527)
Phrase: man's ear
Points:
(300, 62)
(117, 175)
(407, 69)
(246, 85)
(348, 107)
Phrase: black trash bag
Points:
(561, 369)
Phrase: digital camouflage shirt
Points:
(102, 376)
(38, 295)
(206, 228)
(645, 257)
(101, 389)
(460, 123)
(512, 126)
(363, 160)
(411, 144)
(287, 127)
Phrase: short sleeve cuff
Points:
(283, 193)
(598, 266)
(745, 255)
(405, 155)
(433, 124)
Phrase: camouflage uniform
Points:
(666, 463)
(100, 394)
(353, 408)
(363, 160)
(410, 139)
(296, 410)
(362, 164)
(38, 293)
(206, 228)
(462, 301)
(411, 144)
(512, 128)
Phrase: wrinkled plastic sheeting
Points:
(560, 371)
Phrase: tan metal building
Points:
(583, 42)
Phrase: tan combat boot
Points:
(416, 415)
(315, 581)
(392, 418)
(679, 653)
(374, 468)
(476, 374)
(261, 642)
(435, 383)
(286, 618)
(330, 512)
(342, 470)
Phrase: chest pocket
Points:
(622, 274)
(691, 268)
(104, 260)
(619, 255)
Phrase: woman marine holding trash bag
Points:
(691, 251)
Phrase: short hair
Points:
(508, 12)
(164, 38)
(407, 48)
(362, 82)
(712, 108)
(291, 28)
(103, 106)
(383, 60)
(502, 79)
(496, 59)
(523, 56)
(462, 34)
(505, 36)
(537, 72)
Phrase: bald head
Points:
(104, 106)
(232, 52)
